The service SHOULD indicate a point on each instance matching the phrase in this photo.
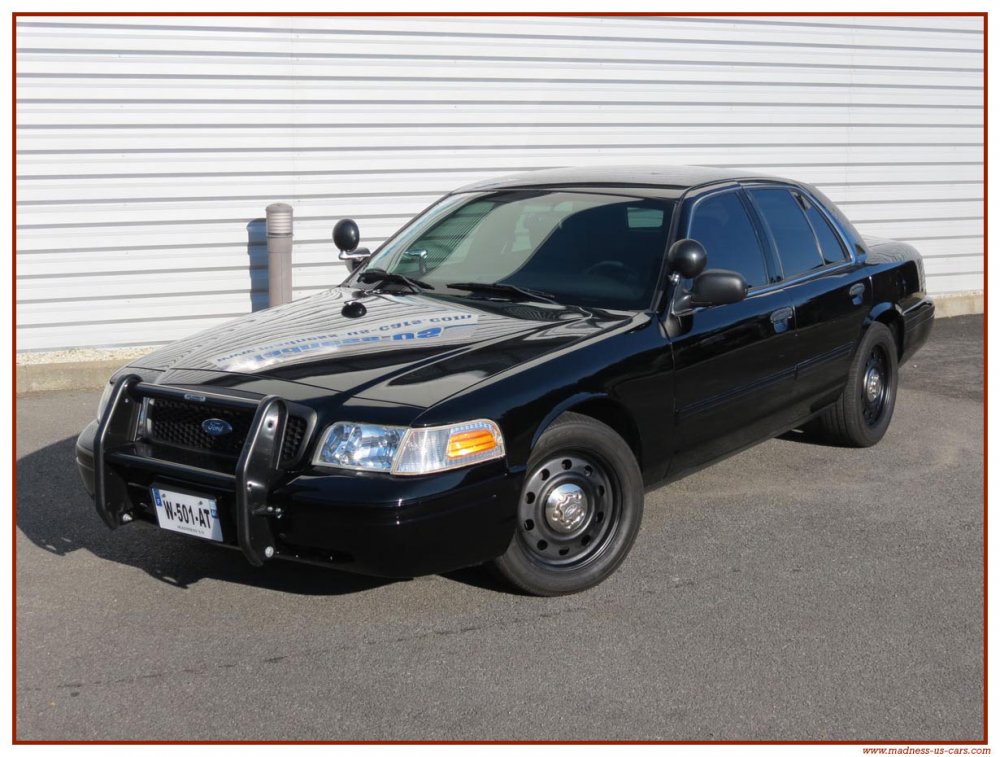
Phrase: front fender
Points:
(565, 406)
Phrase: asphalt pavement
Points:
(794, 591)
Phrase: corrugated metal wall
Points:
(147, 147)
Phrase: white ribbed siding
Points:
(147, 145)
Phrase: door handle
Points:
(782, 314)
(857, 293)
(780, 319)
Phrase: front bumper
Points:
(363, 522)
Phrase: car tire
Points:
(579, 509)
(860, 417)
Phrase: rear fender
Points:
(890, 314)
(878, 312)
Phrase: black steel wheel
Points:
(579, 509)
(875, 385)
(568, 509)
(861, 416)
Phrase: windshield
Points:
(576, 248)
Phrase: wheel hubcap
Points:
(875, 386)
(569, 509)
(566, 508)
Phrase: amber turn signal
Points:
(470, 443)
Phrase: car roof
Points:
(678, 178)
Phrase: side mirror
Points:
(346, 236)
(718, 286)
(687, 258)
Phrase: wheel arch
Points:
(889, 314)
(602, 408)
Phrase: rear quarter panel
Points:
(898, 288)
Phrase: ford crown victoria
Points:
(502, 380)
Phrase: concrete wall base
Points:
(967, 303)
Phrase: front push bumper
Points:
(362, 522)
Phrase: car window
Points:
(793, 236)
(829, 243)
(590, 249)
(724, 229)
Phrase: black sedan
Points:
(501, 380)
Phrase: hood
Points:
(413, 349)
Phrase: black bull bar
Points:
(256, 471)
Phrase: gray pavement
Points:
(794, 591)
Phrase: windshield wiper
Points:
(380, 276)
(479, 286)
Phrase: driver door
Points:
(734, 364)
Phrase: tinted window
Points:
(829, 243)
(791, 231)
(722, 226)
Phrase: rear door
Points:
(830, 294)
(734, 364)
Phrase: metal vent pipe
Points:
(279, 254)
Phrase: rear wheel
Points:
(579, 510)
(861, 416)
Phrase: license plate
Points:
(187, 513)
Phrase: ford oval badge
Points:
(216, 427)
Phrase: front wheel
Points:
(861, 416)
(579, 510)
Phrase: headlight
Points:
(408, 451)
(359, 446)
(105, 399)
